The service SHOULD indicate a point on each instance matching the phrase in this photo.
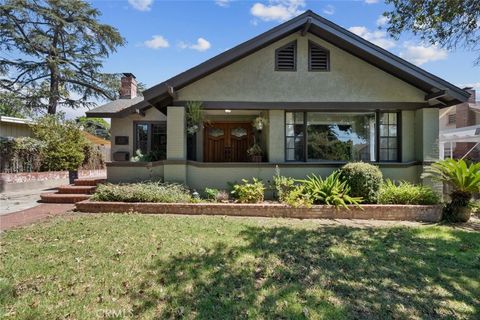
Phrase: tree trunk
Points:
(54, 77)
(53, 98)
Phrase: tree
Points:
(59, 46)
(96, 126)
(448, 23)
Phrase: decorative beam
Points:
(171, 91)
(306, 27)
(140, 112)
(436, 95)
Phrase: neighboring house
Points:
(14, 127)
(329, 97)
(104, 146)
(460, 129)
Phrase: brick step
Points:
(63, 198)
(89, 182)
(76, 189)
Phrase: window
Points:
(286, 57)
(295, 136)
(452, 118)
(341, 136)
(388, 139)
(318, 57)
(151, 137)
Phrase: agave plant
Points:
(331, 190)
(464, 180)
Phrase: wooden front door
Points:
(227, 142)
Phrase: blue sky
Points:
(168, 37)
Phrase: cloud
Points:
(329, 9)
(201, 45)
(382, 20)
(371, 1)
(378, 37)
(157, 42)
(277, 10)
(141, 5)
(223, 3)
(419, 54)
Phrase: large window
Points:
(341, 136)
(151, 137)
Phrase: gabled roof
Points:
(437, 90)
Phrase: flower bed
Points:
(371, 211)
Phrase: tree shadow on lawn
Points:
(331, 272)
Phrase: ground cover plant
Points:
(407, 193)
(142, 192)
(194, 267)
(249, 192)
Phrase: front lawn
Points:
(140, 266)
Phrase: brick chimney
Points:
(128, 88)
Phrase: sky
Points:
(165, 37)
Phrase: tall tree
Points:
(51, 52)
(448, 23)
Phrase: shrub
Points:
(406, 193)
(331, 191)
(249, 192)
(282, 185)
(216, 195)
(64, 143)
(297, 197)
(22, 154)
(142, 192)
(364, 180)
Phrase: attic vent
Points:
(286, 57)
(318, 58)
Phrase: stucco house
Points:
(327, 97)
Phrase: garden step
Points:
(89, 182)
(63, 198)
(76, 189)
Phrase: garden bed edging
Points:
(370, 211)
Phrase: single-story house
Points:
(15, 127)
(323, 95)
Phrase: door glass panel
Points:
(238, 132)
(215, 132)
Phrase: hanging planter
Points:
(194, 117)
(259, 123)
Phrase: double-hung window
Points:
(151, 137)
(341, 136)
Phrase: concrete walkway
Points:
(20, 200)
(31, 215)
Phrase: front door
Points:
(227, 142)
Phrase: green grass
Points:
(144, 267)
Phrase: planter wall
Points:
(378, 212)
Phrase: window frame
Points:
(377, 135)
(294, 42)
(310, 45)
(149, 133)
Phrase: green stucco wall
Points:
(253, 79)
(124, 127)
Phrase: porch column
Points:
(175, 169)
(427, 140)
(276, 136)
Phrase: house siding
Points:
(254, 78)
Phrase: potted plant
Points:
(259, 123)
(255, 153)
(194, 116)
(463, 179)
